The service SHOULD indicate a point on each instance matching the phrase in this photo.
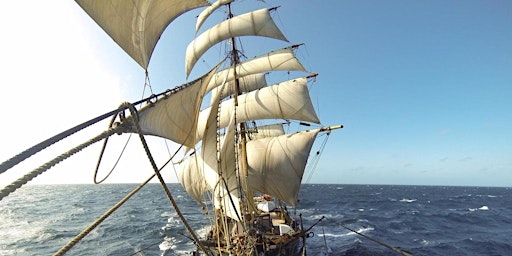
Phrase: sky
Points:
(422, 88)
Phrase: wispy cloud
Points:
(466, 159)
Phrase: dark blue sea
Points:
(422, 220)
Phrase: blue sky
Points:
(423, 88)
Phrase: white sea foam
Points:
(483, 208)
(167, 244)
(405, 200)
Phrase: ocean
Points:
(422, 220)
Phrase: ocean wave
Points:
(441, 227)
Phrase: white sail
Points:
(195, 177)
(282, 59)
(234, 158)
(175, 117)
(287, 100)
(246, 84)
(257, 23)
(136, 26)
(276, 164)
(206, 12)
(266, 131)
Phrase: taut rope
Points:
(98, 221)
(134, 114)
(28, 177)
(44, 144)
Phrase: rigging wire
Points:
(147, 247)
(316, 158)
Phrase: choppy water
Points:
(423, 220)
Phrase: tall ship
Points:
(244, 142)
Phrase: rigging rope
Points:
(134, 114)
(87, 230)
(28, 177)
(46, 143)
(402, 252)
(98, 221)
(111, 124)
(316, 159)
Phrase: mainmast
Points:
(246, 194)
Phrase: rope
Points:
(133, 112)
(44, 144)
(86, 231)
(316, 159)
(48, 142)
(98, 221)
(28, 177)
(110, 125)
(380, 243)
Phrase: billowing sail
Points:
(257, 23)
(137, 25)
(276, 164)
(213, 169)
(206, 12)
(246, 84)
(287, 100)
(282, 59)
(175, 117)
(265, 131)
(195, 177)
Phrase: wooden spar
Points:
(330, 128)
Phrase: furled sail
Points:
(257, 23)
(287, 100)
(175, 117)
(282, 59)
(276, 164)
(137, 25)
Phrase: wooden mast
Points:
(246, 195)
